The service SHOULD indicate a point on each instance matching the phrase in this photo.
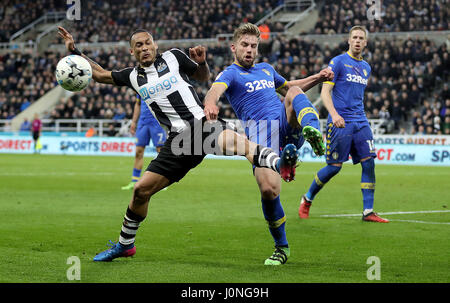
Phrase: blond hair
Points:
(358, 27)
(246, 29)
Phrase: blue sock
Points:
(368, 183)
(136, 175)
(274, 215)
(305, 112)
(323, 176)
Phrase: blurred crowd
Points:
(339, 16)
(409, 78)
(408, 88)
(16, 14)
(113, 20)
(23, 80)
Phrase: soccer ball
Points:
(73, 73)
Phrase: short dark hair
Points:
(137, 32)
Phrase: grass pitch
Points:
(209, 227)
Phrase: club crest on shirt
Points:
(365, 72)
(161, 67)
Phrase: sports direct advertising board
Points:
(403, 150)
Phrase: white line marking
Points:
(398, 213)
(391, 213)
(424, 222)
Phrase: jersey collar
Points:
(359, 59)
(144, 69)
(235, 62)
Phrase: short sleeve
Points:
(335, 66)
(224, 78)
(187, 65)
(122, 77)
(280, 81)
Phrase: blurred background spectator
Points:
(408, 88)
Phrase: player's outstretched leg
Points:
(301, 112)
(305, 205)
(368, 191)
(288, 162)
(116, 250)
(233, 143)
(315, 139)
(125, 246)
(322, 177)
(148, 185)
(284, 165)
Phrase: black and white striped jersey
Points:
(165, 88)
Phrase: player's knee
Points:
(141, 194)
(139, 152)
(335, 168)
(368, 163)
(269, 191)
(292, 92)
(337, 165)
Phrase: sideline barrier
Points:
(100, 146)
(408, 154)
(403, 154)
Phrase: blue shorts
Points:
(355, 139)
(147, 131)
(276, 133)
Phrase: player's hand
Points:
(338, 121)
(133, 128)
(326, 74)
(211, 111)
(198, 54)
(68, 39)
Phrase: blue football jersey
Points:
(252, 91)
(350, 80)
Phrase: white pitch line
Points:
(391, 213)
(398, 213)
(424, 222)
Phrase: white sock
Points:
(367, 211)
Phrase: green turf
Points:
(210, 227)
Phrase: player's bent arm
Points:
(99, 74)
(202, 72)
(306, 83)
(214, 93)
(212, 96)
(282, 90)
